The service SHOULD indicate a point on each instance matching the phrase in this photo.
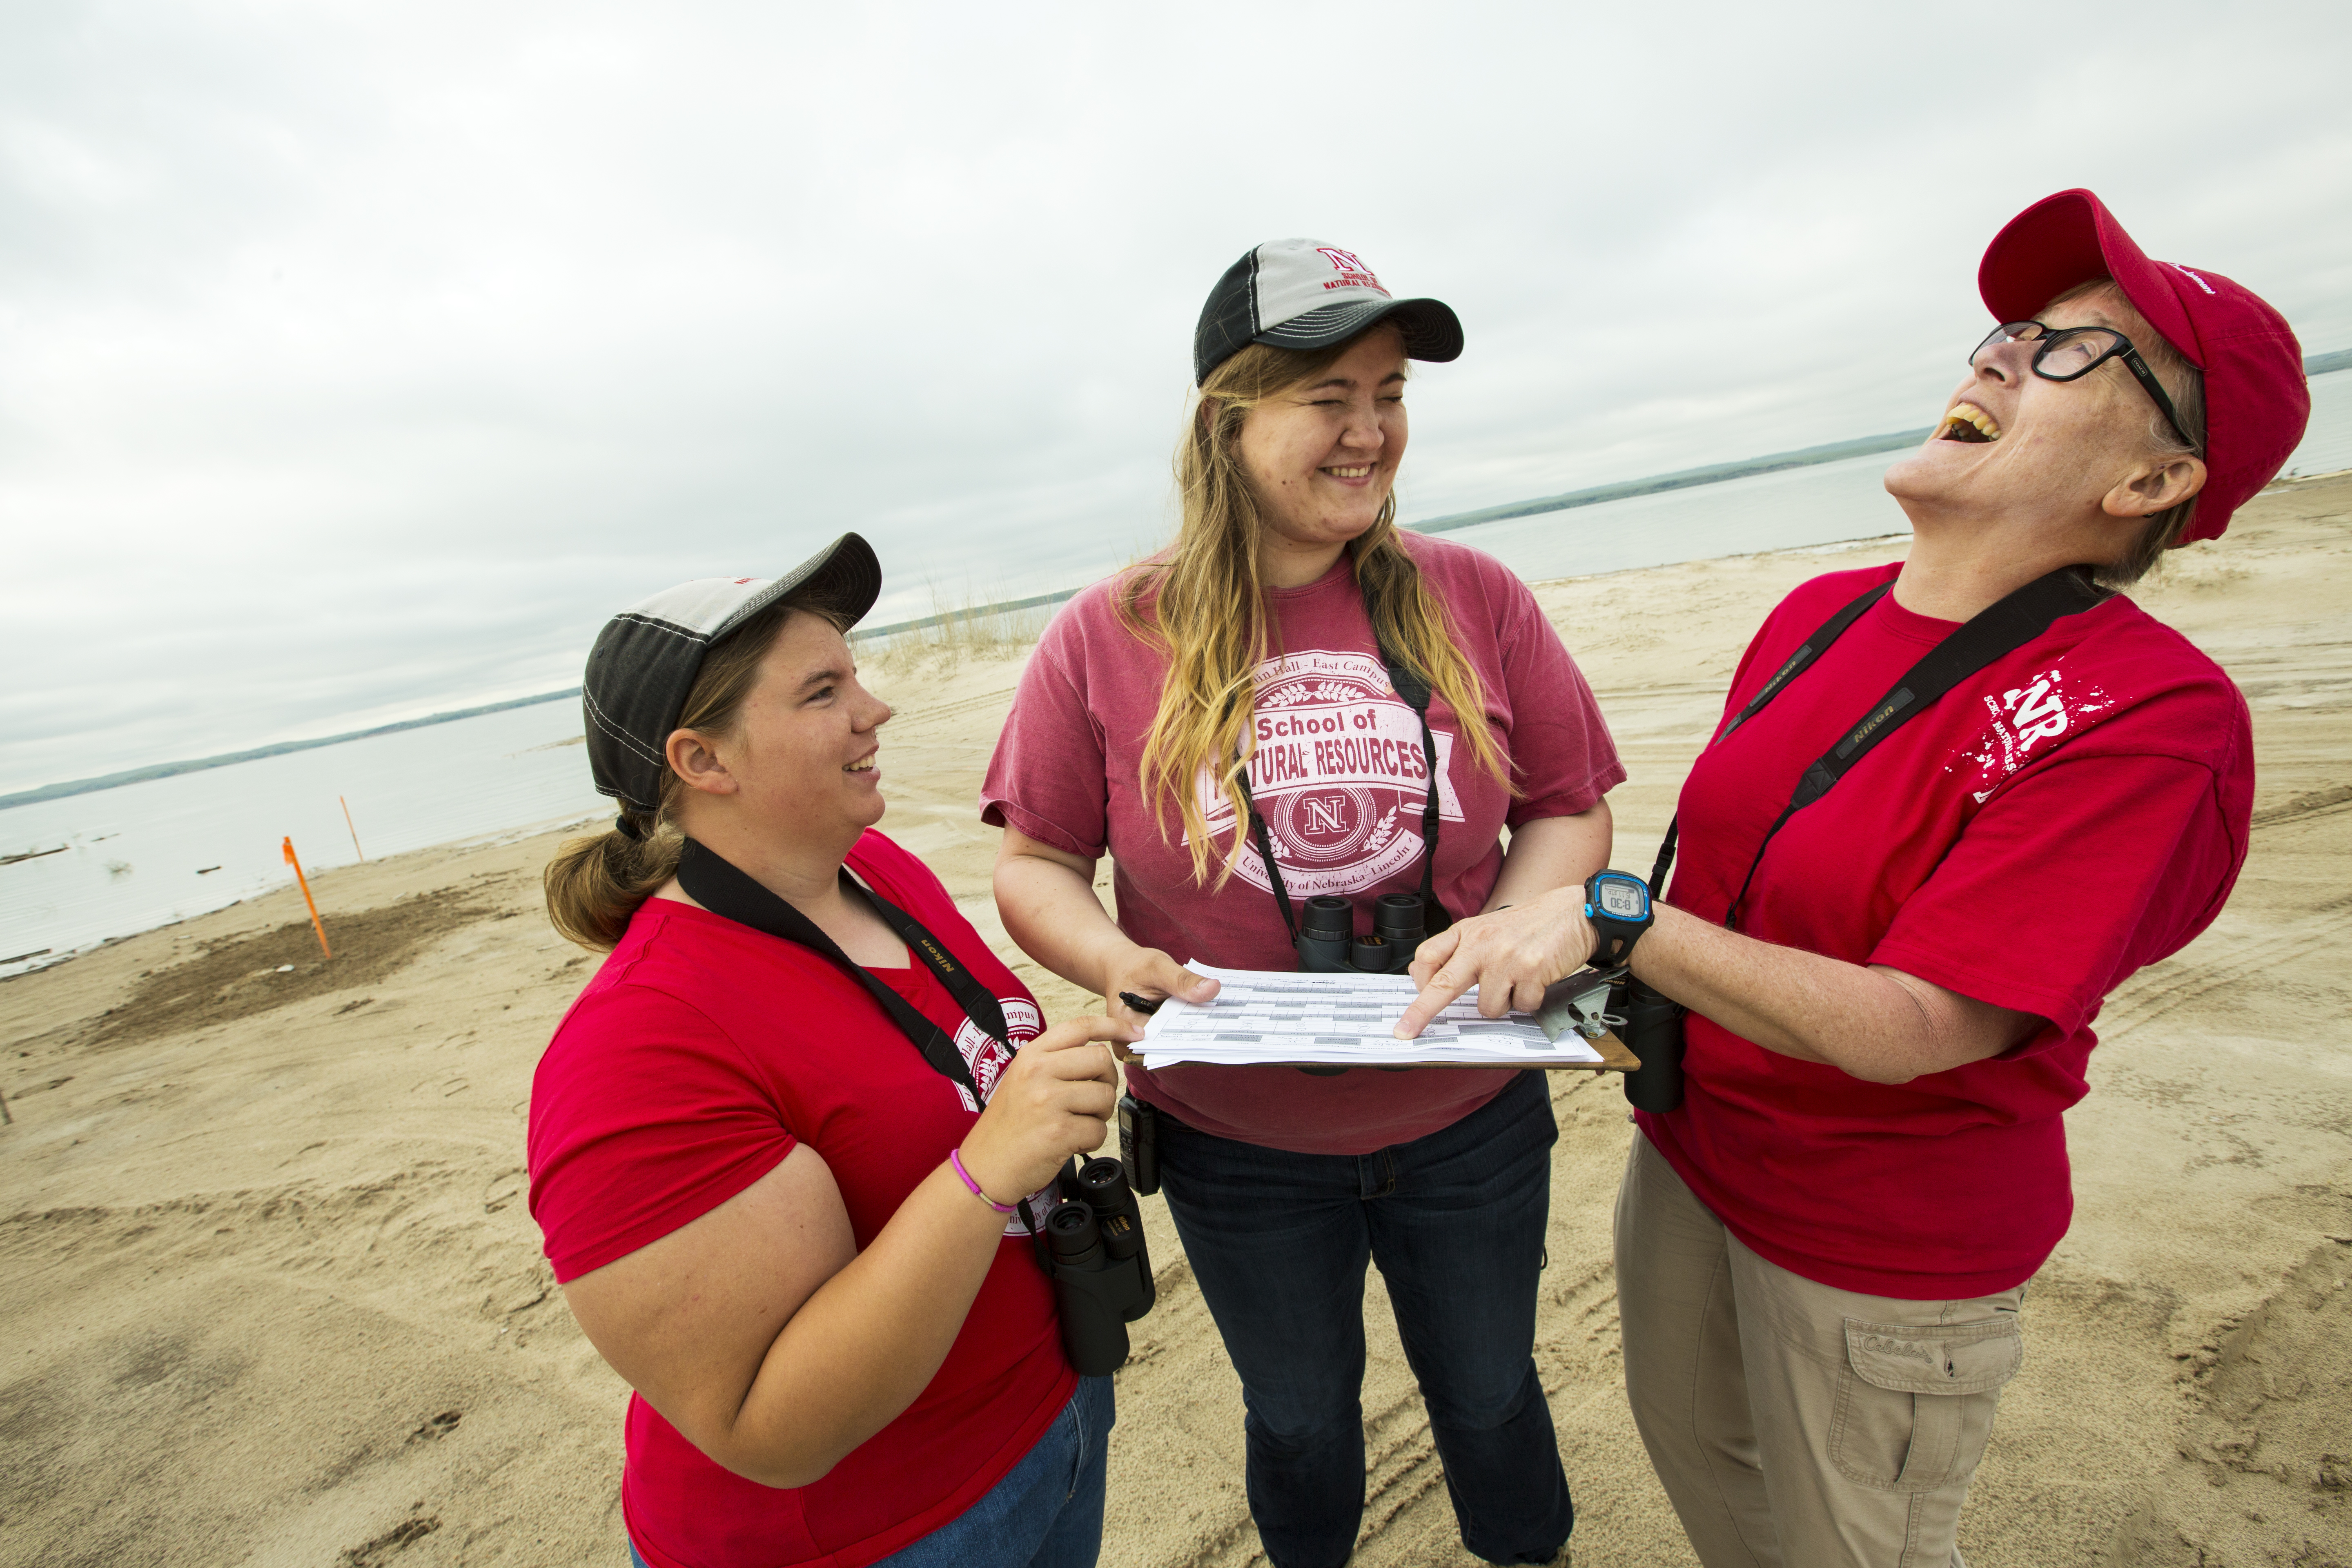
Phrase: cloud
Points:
(356, 361)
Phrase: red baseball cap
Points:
(2256, 401)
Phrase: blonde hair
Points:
(595, 883)
(1205, 607)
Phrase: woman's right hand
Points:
(1150, 974)
(1055, 1099)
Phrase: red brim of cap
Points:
(2256, 404)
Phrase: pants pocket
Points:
(1914, 1402)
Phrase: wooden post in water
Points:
(304, 883)
(347, 823)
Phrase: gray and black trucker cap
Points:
(1304, 294)
(645, 659)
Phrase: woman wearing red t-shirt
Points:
(1234, 723)
(779, 1215)
(1823, 1249)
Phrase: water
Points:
(2328, 445)
(1794, 508)
(135, 858)
(1787, 510)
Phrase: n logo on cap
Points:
(1299, 293)
(1353, 273)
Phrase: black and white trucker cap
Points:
(1304, 294)
(645, 659)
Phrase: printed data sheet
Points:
(1343, 1020)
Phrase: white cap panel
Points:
(1296, 276)
(701, 606)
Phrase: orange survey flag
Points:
(304, 883)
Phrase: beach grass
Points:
(975, 625)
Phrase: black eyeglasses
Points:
(2070, 354)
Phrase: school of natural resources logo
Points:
(1338, 775)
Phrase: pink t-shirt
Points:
(2075, 811)
(1339, 777)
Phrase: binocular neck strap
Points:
(1408, 685)
(1795, 665)
(724, 889)
(721, 888)
(1265, 841)
(1434, 917)
(2001, 628)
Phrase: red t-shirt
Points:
(1339, 779)
(700, 1053)
(2071, 813)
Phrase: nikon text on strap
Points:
(1999, 629)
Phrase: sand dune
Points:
(273, 1298)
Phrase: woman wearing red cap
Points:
(1297, 700)
(1953, 803)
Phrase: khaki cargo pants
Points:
(1796, 1426)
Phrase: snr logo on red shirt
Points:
(2018, 721)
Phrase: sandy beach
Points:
(273, 1298)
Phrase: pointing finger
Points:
(1436, 996)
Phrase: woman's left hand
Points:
(1511, 956)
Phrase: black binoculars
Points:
(1328, 943)
(1652, 1030)
(1101, 1268)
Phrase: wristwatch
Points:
(1618, 905)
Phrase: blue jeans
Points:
(1456, 1220)
(1047, 1511)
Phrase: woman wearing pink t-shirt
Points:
(1239, 724)
(1954, 802)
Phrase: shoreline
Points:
(66, 788)
(166, 770)
(273, 1278)
(1684, 479)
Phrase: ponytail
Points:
(595, 884)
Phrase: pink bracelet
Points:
(955, 1158)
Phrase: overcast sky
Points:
(356, 360)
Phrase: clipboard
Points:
(1295, 1019)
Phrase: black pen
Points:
(1141, 1005)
